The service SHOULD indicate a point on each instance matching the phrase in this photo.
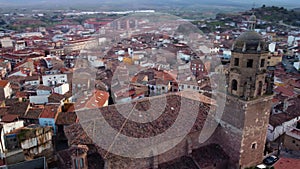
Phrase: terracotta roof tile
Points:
(17, 107)
(76, 135)
(3, 83)
(292, 111)
(56, 98)
(96, 99)
(42, 87)
(284, 91)
(287, 163)
(3, 111)
(9, 118)
(66, 118)
(50, 111)
(33, 113)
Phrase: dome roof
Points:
(249, 36)
(249, 41)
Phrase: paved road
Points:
(290, 26)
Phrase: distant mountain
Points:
(135, 3)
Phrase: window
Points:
(188, 86)
(249, 63)
(254, 146)
(81, 163)
(294, 141)
(236, 61)
(234, 84)
(262, 63)
(76, 164)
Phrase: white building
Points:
(32, 80)
(41, 99)
(20, 45)
(29, 34)
(183, 56)
(290, 40)
(6, 42)
(6, 128)
(297, 65)
(62, 89)
(52, 80)
(5, 89)
(272, 47)
(95, 61)
(275, 131)
(137, 55)
(293, 41)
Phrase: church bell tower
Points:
(243, 127)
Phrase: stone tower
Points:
(243, 128)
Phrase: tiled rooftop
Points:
(9, 118)
(50, 111)
(17, 107)
(292, 111)
(287, 163)
(56, 98)
(93, 100)
(3, 83)
(33, 113)
(66, 118)
(76, 135)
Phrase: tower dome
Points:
(249, 41)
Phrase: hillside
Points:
(276, 14)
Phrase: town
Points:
(66, 74)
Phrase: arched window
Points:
(234, 84)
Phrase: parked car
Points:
(270, 160)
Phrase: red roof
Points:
(9, 118)
(287, 163)
(285, 91)
(50, 111)
(3, 83)
(96, 100)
